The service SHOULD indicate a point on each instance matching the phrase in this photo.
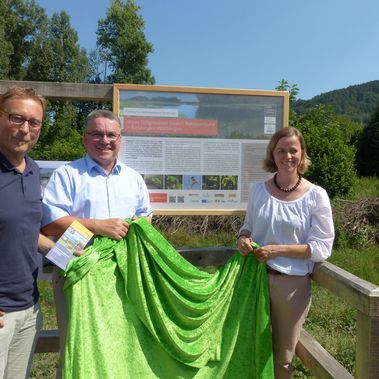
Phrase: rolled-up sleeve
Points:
(321, 232)
(144, 208)
(57, 200)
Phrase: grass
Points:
(363, 263)
(44, 364)
(364, 188)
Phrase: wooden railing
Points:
(362, 295)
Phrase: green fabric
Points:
(138, 309)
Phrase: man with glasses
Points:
(21, 114)
(97, 190)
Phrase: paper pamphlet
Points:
(76, 237)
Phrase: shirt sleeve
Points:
(321, 232)
(248, 222)
(144, 208)
(57, 200)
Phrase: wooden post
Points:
(367, 344)
(364, 296)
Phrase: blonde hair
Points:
(23, 93)
(269, 162)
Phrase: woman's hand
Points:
(263, 254)
(244, 245)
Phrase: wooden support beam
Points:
(321, 364)
(207, 256)
(65, 91)
(48, 341)
(362, 295)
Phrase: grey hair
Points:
(102, 113)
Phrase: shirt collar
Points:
(6, 164)
(93, 165)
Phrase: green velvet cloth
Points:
(138, 309)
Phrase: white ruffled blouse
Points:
(307, 220)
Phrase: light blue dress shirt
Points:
(83, 189)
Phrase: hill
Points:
(356, 102)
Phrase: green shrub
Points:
(330, 149)
(368, 147)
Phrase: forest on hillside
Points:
(356, 102)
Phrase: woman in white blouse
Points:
(291, 219)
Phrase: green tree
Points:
(368, 147)
(330, 150)
(20, 21)
(60, 139)
(57, 43)
(34, 47)
(56, 55)
(5, 46)
(293, 91)
(122, 44)
(356, 102)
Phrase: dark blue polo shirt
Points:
(20, 221)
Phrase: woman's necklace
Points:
(287, 189)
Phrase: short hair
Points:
(269, 162)
(23, 93)
(102, 113)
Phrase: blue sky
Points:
(250, 44)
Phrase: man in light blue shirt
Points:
(97, 190)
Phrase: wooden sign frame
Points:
(198, 149)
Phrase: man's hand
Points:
(44, 244)
(2, 323)
(112, 227)
(79, 253)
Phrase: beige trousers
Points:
(18, 339)
(290, 299)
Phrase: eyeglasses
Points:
(112, 137)
(16, 120)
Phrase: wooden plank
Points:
(65, 91)
(208, 256)
(48, 341)
(199, 212)
(367, 347)
(363, 295)
(321, 364)
(205, 90)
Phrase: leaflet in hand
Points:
(75, 238)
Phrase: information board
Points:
(198, 149)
